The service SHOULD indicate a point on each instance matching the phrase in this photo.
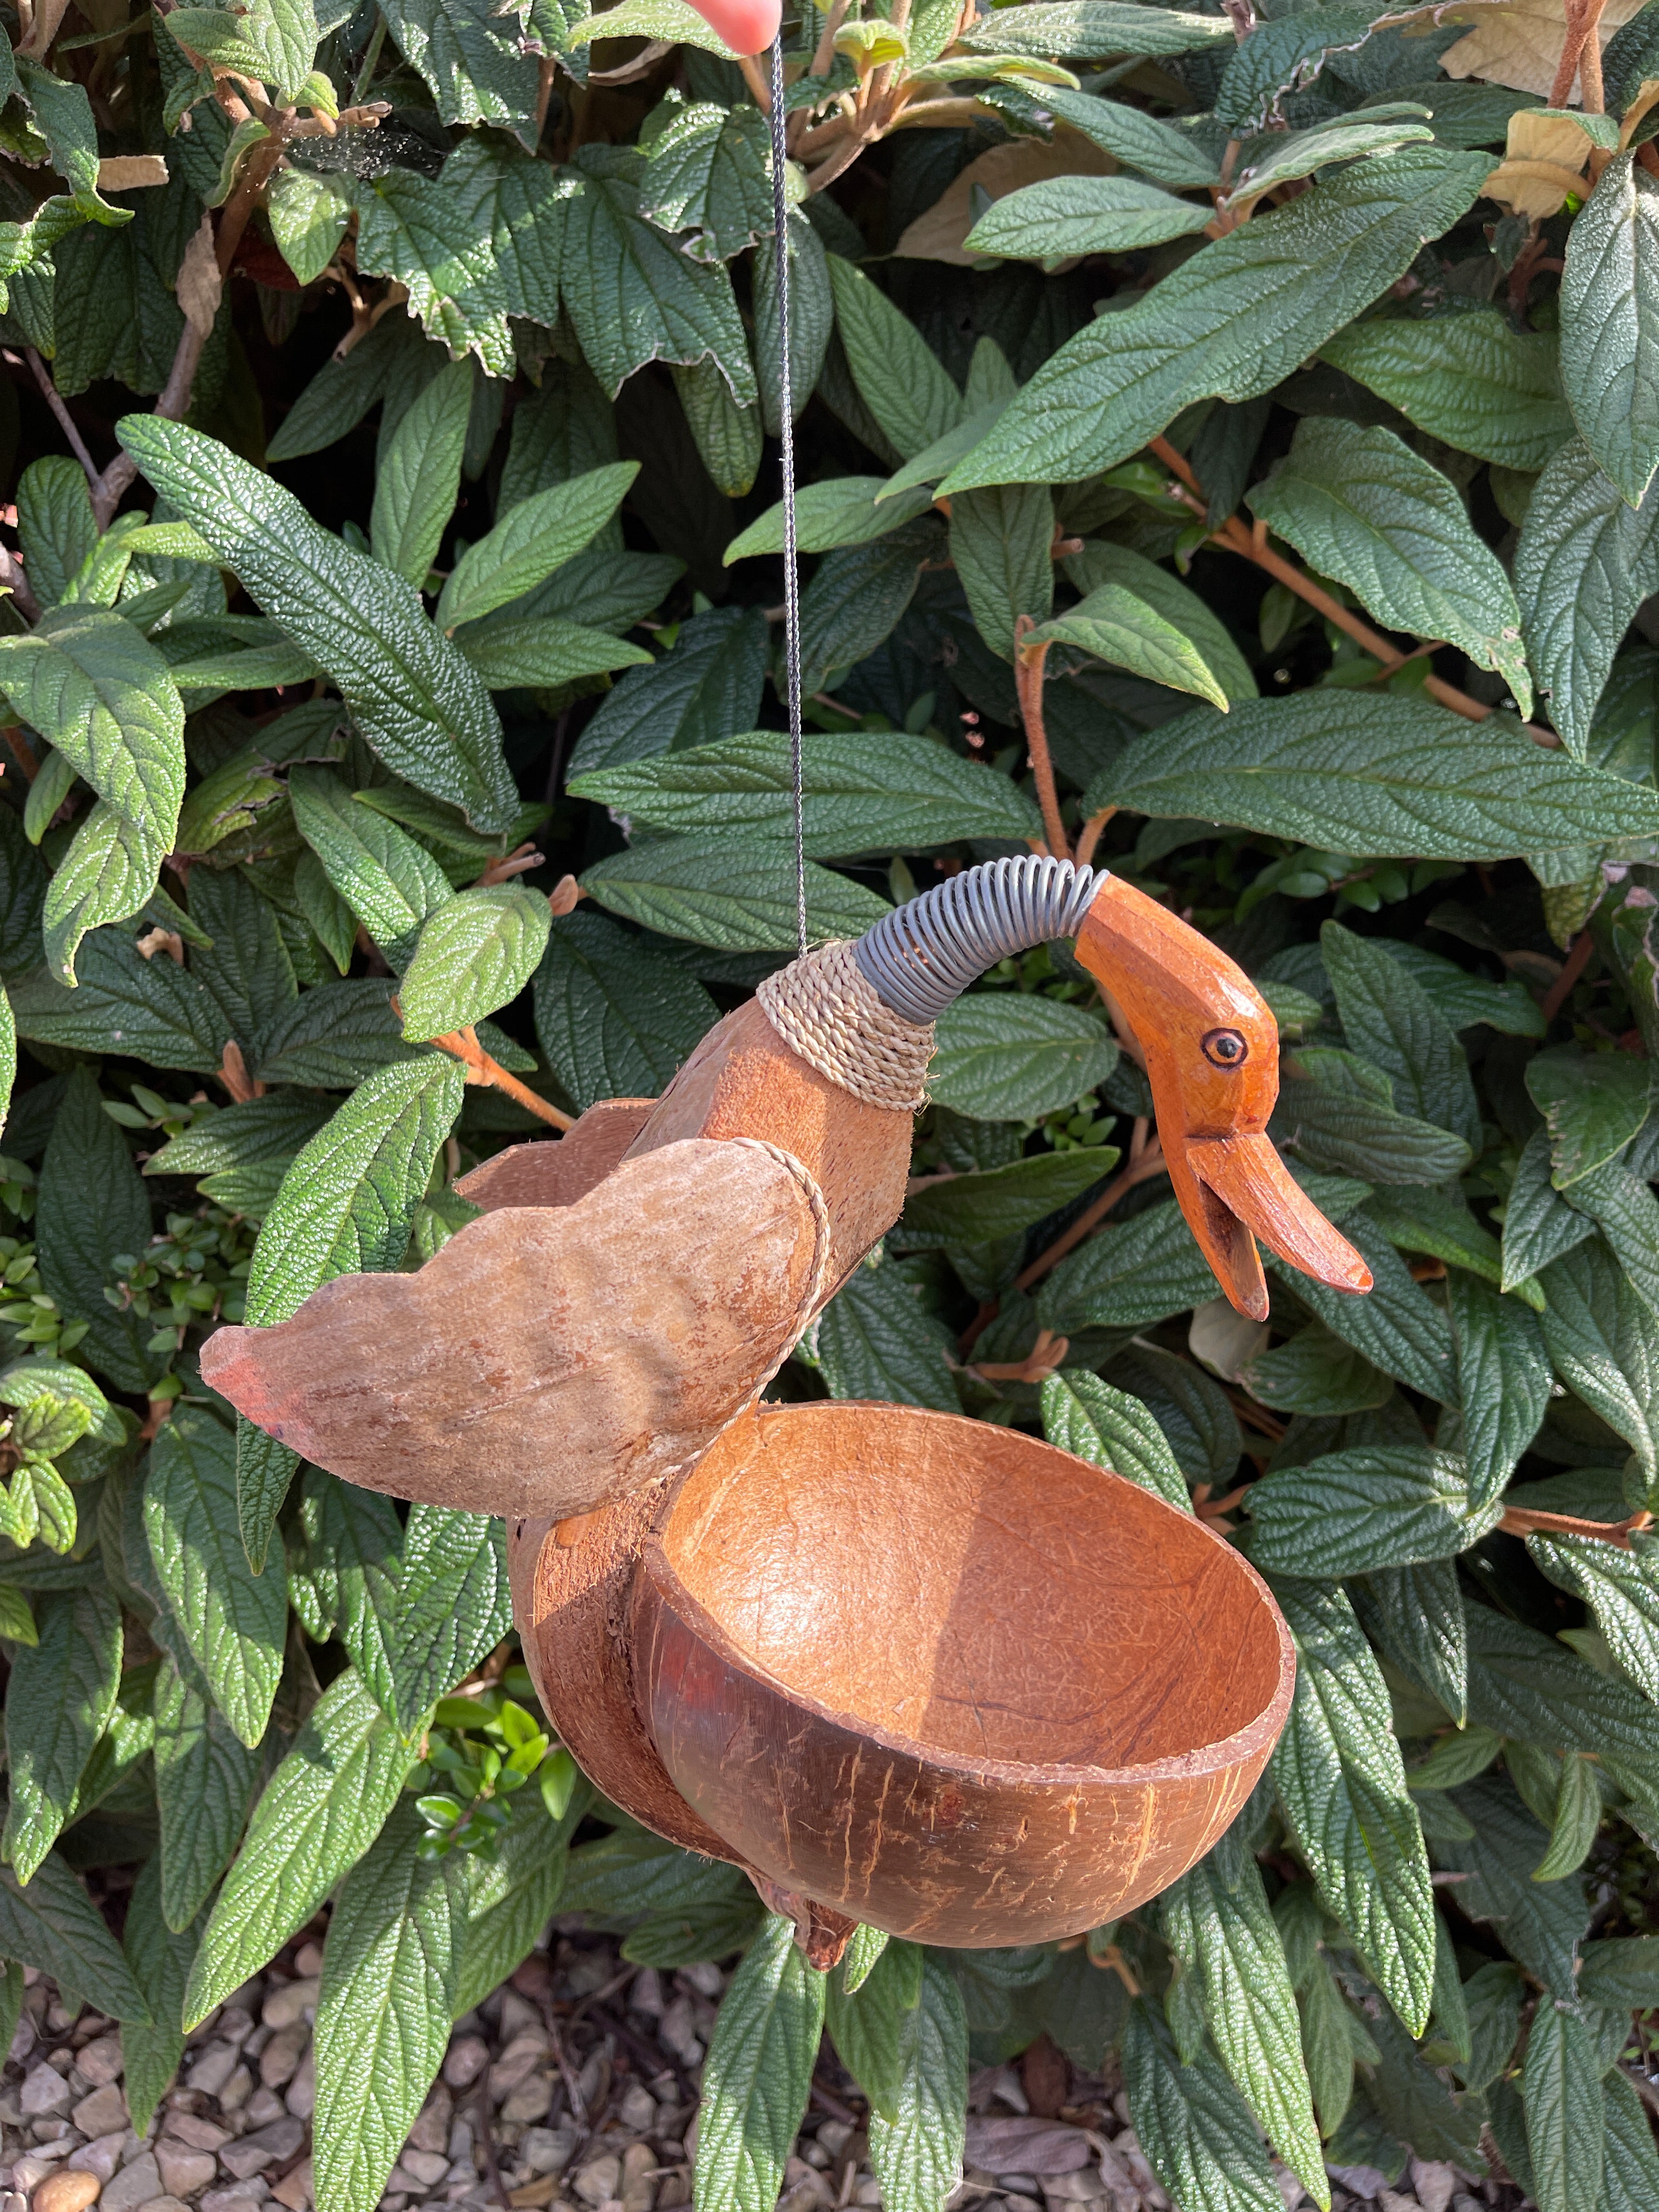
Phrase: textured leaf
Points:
(1541, 1923)
(472, 58)
(1539, 1225)
(412, 695)
(1504, 1380)
(275, 40)
(1610, 326)
(1629, 2172)
(1141, 142)
(1004, 1053)
(54, 1925)
(876, 1340)
(1360, 505)
(1375, 777)
(1229, 323)
(160, 1013)
(757, 2074)
(708, 685)
(614, 1019)
(92, 1209)
(696, 888)
(1417, 1614)
(1396, 1325)
(860, 793)
(1129, 1277)
(531, 540)
(708, 172)
(899, 377)
(868, 2026)
(1351, 1511)
(1194, 2126)
(419, 473)
(1342, 1785)
(383, 2013)
(1585, 562)
(109, 870)
(321, 1810)
(511, 1897)
(205, 1779)
(975, 1209)
(857, 597)
(1621, 1589)
(453, 1606)
(233, 1621)
(58, 1702)
(391, 882)
(1386, 1015)
(1561, 2087)
(1469, 379)
(1065, 215)
(542, 651)
(1603, 1343)
(1593, 1106)
(1082, 1414)
(917, 2153)
(1100, 561)
(476, 953)
(1001, 542)
(308, 218)
(159, 1960)
(1527, 1686)
(1080, 30)
(1117, 625)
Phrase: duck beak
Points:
(1164, 982)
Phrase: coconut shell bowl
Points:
(907, 1669)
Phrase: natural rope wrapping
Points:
(824, 1009)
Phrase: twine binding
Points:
(825, 1010)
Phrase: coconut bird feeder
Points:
(904, 1668)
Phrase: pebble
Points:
(23, 2040)
(596, 2184)
(264, 2106)
(428, 2167)
(191, 2128)
(213, 2069)
(184, 2170)
(637, 2110)
(45, 2090)
(237, 2091)
(290, 2003)
(531, 2100)
(546, 2150)
(100, 2062)
(235, 2025)
(134, 2185)
(164, 2204)
(71, 2190)
(431, 2130)
(267, 2146)
(101, 2156)
(243, 2198)
(279, 2061)
(467, 2057)
(104, 2113)
(300, 2096)
(296, 2188)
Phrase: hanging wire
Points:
(786, 423)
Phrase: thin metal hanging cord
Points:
(786, 439)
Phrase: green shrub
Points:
(1207, 376)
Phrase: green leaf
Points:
(728, 894)
(1539, 1225)
(308, 217)
(1469, 379)
(1629, 2172)
(845, 510)
(110, 869)
(159, 1960)
(1374, 777)
(233, 1621)
(1492, 1995)
(1386, 1015)
(1001, 542)
(91, 1210)
(413, 230)
(868, 2026)
(1561, 2087)
(1342, 1785)
(532, 539)
(1358, 505)
(348, 1200)
(56, 525)
(1396, 1325)
(876, 1340)
(246, 968)
(1080, 30)
(474, 60)
(59, 1699)
(672, 20)
(1127, 1277)
(453, 1606)
(418, 474)
(1100, 561)
(336, 1038)
(354, 1560)
(1504, 1382)
(1301, 153)
(917, 2153)
(1141, 142)
(1417, 1219)
(1002, 1054)
(391, 882)
(757, 2074)
(1314, 1372)
(976, 1209)
(885, 793)
(1577, 1815)
(1216, 1919)
(1196, 2129)
(709, 684)
(857, 596)
(1065, 215)
(1231, 322)
(708, 172)
(1621, 1972)
(275, 40)
(632, 296)
(1539, 1922)
(322, 1808)
(102, 694)
(411, 695)
(1335, 1109)
(811, 321)
(383, 2013)
(205, 1779)
(899, 377)
(1593, 1104)
(1114, 625)
(1354, 1511)
(1609, 327)
(1416, 1613)
(1327, 2045)
(54, 1925)
(614, 1019)
(1621, 1589)
(1107, 1427)
(510, 1896)
(1585, 562)
(474, 954)
(542, 651)
(1623, 1209)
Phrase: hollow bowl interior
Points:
(972, 1594)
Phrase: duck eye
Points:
(1225, 1049)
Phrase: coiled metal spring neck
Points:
(926, 953)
